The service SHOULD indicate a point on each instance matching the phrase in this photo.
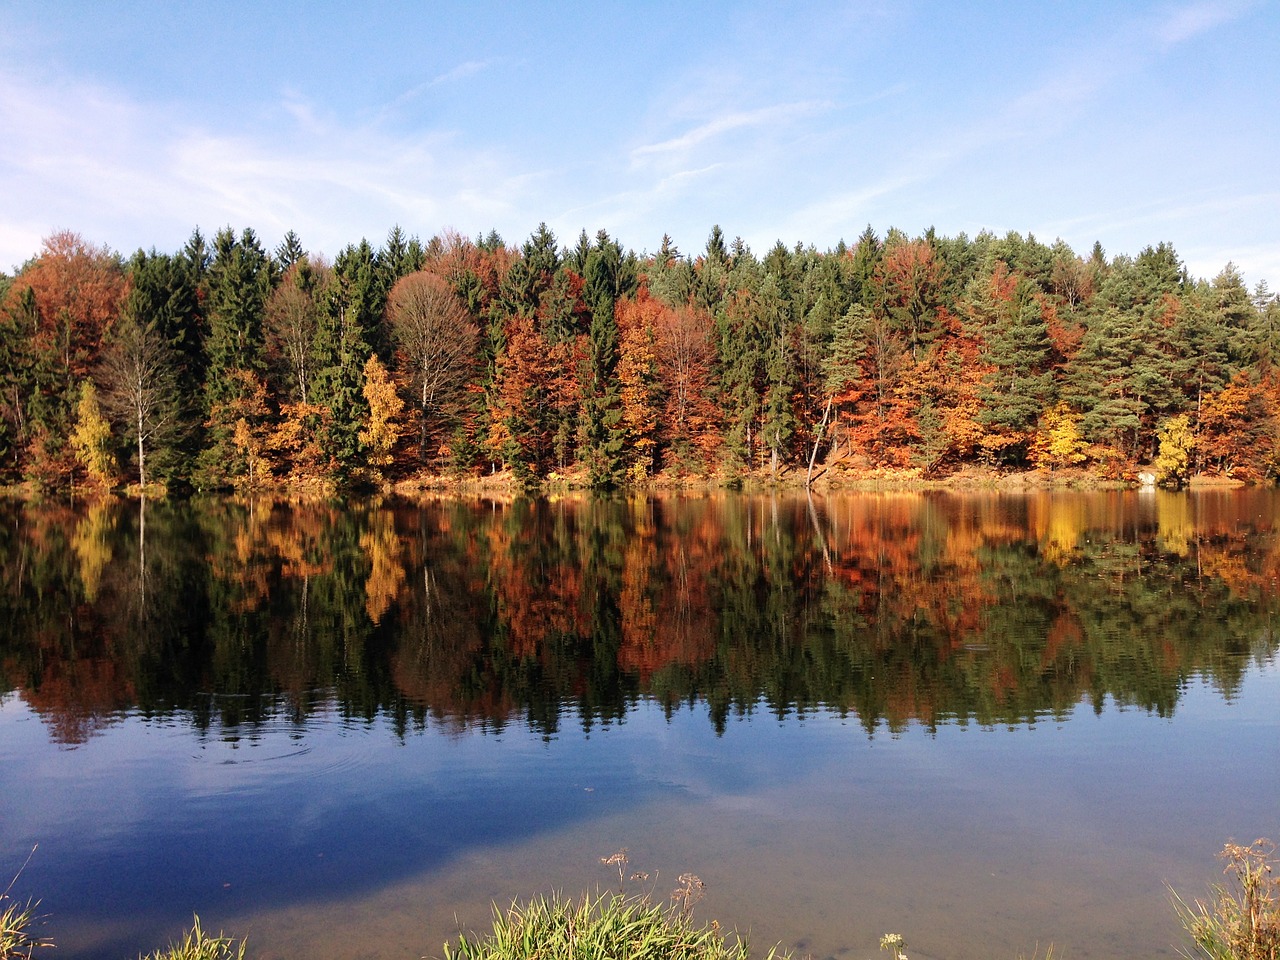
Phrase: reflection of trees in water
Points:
(898, 608)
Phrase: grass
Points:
(198, 945)
(1241, 918)
(17, 923)
(610, 926)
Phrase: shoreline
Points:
(790, 480)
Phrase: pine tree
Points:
(864, 262)
(353, 304)
(399, 257)
(289, 252)
(1018, 346)
(164, 303)
(240, 280)
(739, 373)
(1102, 382)
(602, 428)
(780, 382)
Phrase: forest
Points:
(227, 366)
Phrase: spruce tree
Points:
(780, 381)
(1018, 346)
(352, 305)
(602, 414)
(240, 279)
(289, 252)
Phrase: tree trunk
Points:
(816, 441)
(142, 459)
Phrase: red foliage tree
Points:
(78, 290)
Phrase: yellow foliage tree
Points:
(91, 438)
(1173, 462)
(251, 445)
(1058, 442)
(382, 430)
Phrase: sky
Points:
(1130, 123)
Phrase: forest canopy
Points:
(224, 364)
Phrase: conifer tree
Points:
(353, 304)
(602, 428)
(240, 280)
(1018, 347)
(289, 252)
(164, 303)
(780, 381)
(864, 261)
(1102, 381)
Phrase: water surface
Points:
(986, 722)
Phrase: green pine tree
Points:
(353, 305)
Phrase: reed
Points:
(198, 945)
(1240, 920)
(609, 926)
(18, 921)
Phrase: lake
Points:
(988, 722)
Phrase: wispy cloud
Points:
(1185, 23)
(132, 174)
(1171, 209)
(717, 127)
(1076, 79)
(837, 213)
(1168, 218)
(462, 71)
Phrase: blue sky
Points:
(1128, 123)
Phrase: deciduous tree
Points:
(437, 343)
(91, 438)
(382, 430)
(140, 384)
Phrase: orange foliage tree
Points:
(78, 289)
(640, 382)
(1237, 430)
(65, 301)
(686, 354)
(910, 278)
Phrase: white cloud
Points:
(1183, 221)
(132, 174)
(462, 71)
(713, 129)
(1186, 23)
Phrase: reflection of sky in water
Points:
(152, 820)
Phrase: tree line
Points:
(227, 365)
